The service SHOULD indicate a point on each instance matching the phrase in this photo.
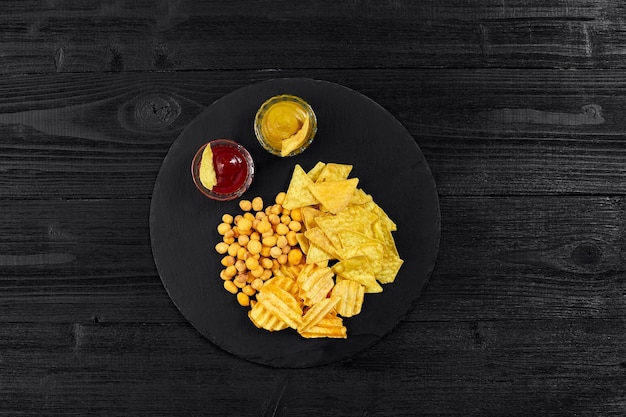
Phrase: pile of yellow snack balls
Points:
(257, 244)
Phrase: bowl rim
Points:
(263, 109)
(195, 164)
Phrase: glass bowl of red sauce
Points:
(234, 169)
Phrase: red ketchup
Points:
(231, 169)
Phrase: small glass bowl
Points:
(225, 152)
(262, 112)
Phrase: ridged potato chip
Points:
(285, 282)
(316, 313)
(330, 326)
(350, 295)
(315, 283)
(281, 304)
(264, 319)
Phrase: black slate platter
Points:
(352, 129)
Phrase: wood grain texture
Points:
(501, 258)
(517, 106)
(113, 36)
(461, 368)
(483, 132)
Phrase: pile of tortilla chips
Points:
(349, 248)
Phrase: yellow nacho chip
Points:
(295, 141)
(333, 171)
(334, 195)
(352, 218)
(298, 193)
(308, 216)
(303, 242)
(319, 238)
(360, 197)
(358, 269)
(317, 255)
(207, 174)
(315, 171)
(390, 266)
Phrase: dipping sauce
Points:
(230, 172)
(285, 125)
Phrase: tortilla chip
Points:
(390, 266)
(358, 269)
(298, 193)
(360, 197)
(320, 239)
(333, 171)
(315, 171)
(308, 216)
(335, 195)
(317, 255)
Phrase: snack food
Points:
(222, 169)
(308, 259)
(285, 125)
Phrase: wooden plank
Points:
(500, 258)
(484, 132)
(541, 367)
(101, 36)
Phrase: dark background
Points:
(518, 106)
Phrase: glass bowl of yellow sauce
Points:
(285, 125)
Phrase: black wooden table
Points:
(517, 106)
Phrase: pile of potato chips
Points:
(349, 248)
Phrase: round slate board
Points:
(352, 129)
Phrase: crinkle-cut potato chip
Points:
(281, 304)
(315, 283)
(285, 282)
(262, 318)
(298, 193)
(358, 269)
(317, 312)
(334, 171)
(351, 295)
(330, 326)
(334, 195)
(314, 172)
(290, 271)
